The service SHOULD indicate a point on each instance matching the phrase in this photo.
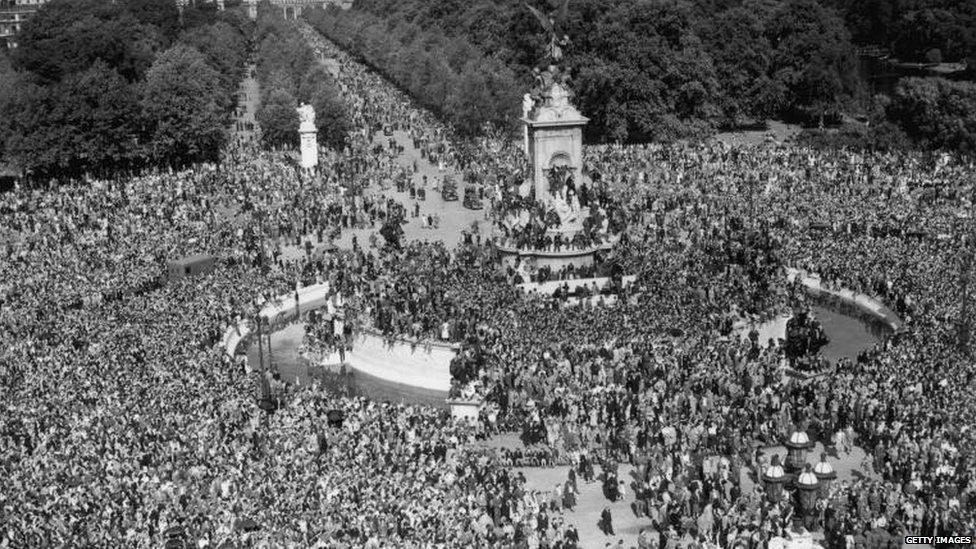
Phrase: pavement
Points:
(777, 132)
(627, 526)
(249, 96)
(589, 504)
(453, 216)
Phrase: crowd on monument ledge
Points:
(125, 424)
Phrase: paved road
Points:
(249, 94)
(454, 217)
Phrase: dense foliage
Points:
(181, 103)
(667, 69)
(642, 69)
(290, 75)
(938, 113)
(99, 87)
(447, 75)
(914, 30)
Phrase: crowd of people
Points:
(655, 378)
(126, 425)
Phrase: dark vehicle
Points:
(190, 266)
(472, 199)
(449, 190)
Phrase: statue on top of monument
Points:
(549, 22)
(306, 117)
(546, 79)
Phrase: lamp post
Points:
(773, 480)
(266, 400)
(797, 446)
(806, 496)
(257, 321)
(964, 325)
(825, 476)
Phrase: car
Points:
(472, 200)
(449, 190)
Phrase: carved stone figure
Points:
(306, 117)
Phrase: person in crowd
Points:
(126, 424)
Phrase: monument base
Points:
(554, 259)
(309, 150)
(465, 409)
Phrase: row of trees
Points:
(448, 75)
(666, 69)
(99, 87)
(289, 75)
(937, 113)
(642, 69)
(914, 30)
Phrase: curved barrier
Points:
(551, 286)
(426, 365)
(866, 305)
(403, 363)
(555, 259)
(522, 252)
(282, 308)
(868, 308)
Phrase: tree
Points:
(87, 123)
(100, 111)
(200, 14)
(8, 79)
(286, 54)
(813, 58)
(484, 92)
(742, 54)
(938, 113)
(279, 120)
(162, 14)
(331, 113)
(181, 106)
(949, 28)
(66, 36)
(224, 47)
(653, 77)
(23, 106)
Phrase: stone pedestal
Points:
(555, 138)
(309, 137)
(310, 149)
(465, 410)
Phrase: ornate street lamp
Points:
(774, 479)
(806, 495)
(825, 475)
(797, 447)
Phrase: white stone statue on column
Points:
(309, 136)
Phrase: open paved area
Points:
(453, 216)
(591, 501)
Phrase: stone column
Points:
(309, 136)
